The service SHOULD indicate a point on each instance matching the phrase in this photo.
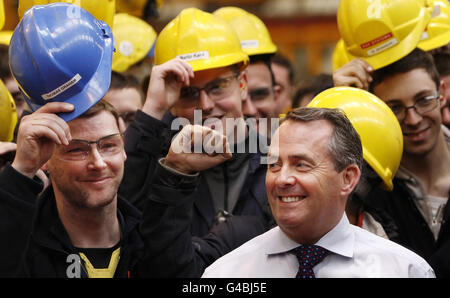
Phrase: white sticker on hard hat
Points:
(62, 88)
(388, 40)
(245, 44)
(194, 56)
(436, 11)
(424, 35)
(126, 48)
(382, 47)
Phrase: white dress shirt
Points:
(354, 253)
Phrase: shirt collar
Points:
(339, 240)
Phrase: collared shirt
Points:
(354, 253)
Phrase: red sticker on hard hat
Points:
(376, 40)
(386, 41)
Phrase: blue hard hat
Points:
(60, 52)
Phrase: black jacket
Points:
(17, 206)
(404, 224)
(148, 138)
(50, 246)
(156, 244)
(175, 250)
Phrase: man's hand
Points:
(197, 148)
(164, 87)
(38, 135)
(356, 73)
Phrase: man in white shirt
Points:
(315, 161)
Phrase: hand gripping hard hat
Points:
(57, 57)
(134, 39)
(377, 126)
(437, 33)
(382, 31)
(8, 115)
(103, 10)
(202, 39)
(340, 55)
(252, 32)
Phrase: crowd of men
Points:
(212, 165)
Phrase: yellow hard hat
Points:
(8, 115)
(134, 38)
(340, 55)
(437, 33)
(2, 14)
(202, 39)
(377, 126)
(101, 9)
(382, 31)
(252, 32)
(5, 37)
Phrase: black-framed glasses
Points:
(422, 106)
(216, 89)
(79, 149)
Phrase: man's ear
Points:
(350, 178)
(173, 111)
(243, 86)
(45, 167)
(442, 88)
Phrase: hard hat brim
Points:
(434, 43)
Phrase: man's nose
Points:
(248, 108)
(206, 103)
(95, 159)
(412, 117)
(285, 178)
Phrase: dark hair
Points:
(266, 59)
(283, 61)
(313, 85)
(417, 59)
(442, 62)
(344, 145)
(123, 81)
(5, 72)
(100, 106)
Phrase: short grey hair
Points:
(345, 144)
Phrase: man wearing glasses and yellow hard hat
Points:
(199, 78)
(392, 65)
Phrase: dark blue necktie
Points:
(308, 256)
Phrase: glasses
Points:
(260, 93)
(217, 89)
(79, 149)
(422, 106)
